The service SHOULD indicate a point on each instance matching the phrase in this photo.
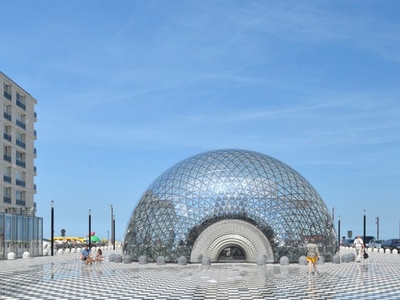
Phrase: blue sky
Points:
(126, 89)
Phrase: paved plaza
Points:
(65, 277)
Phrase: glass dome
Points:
(229, 184)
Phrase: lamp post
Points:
(339, 231)
(52, 228)
(377, 228)
(365, 222)
(112, 218)
(90, 229)
(113, 231)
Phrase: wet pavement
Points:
(64, 276)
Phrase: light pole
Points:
(377, 228)
(90, 229)
(113, 231)
(108, 235)
(365, 224)
(339, 231)
(112, 218)
(52, 228)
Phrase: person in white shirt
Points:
(359, 245)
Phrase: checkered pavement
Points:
(66, 277)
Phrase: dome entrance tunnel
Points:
(231, 233)
(229, 204)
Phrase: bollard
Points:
(143, 260)
(11, 255)
(182, 261)
(284, 261)
(127, 259)
(336, 259)
(345, 258)
(205, 261)
(261, 260)
(303, 261)
(118, 258)
(111, 257)
(26, 254)
(161, 260)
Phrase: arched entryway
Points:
(232, 233)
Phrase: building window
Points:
(21, 101)
(7, 153)
(20, 159)
(21, 121)
(7, 132)
(7, 174)
(20, 198)
(7, 91)
(20, 141)
(20, 178)
(7, 112)
(7, 195)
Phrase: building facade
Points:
(229, 204)
(20, 229)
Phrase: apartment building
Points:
(19, 227)
(18, 119)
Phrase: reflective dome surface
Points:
(229, 184)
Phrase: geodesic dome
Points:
(220, 198)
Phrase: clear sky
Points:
(126, 89)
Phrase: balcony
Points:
(20, 202)
(7, 157)
(7, 116)
(34, 169)
(21, 104)
(7, 178)
(20, 143)
(7, 137)
(21, 124)
(20, 163)
(35, 114)
(7, 95)
(20, 182)
(7, 199)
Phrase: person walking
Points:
(312, 256)
(359, 245)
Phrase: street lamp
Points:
(90, 229)
(52, 228)
(112, 218)
(365, 224)
(377, 228)
(113, 231)
(339, 231)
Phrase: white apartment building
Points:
(17, 118)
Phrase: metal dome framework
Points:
(226, 185)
